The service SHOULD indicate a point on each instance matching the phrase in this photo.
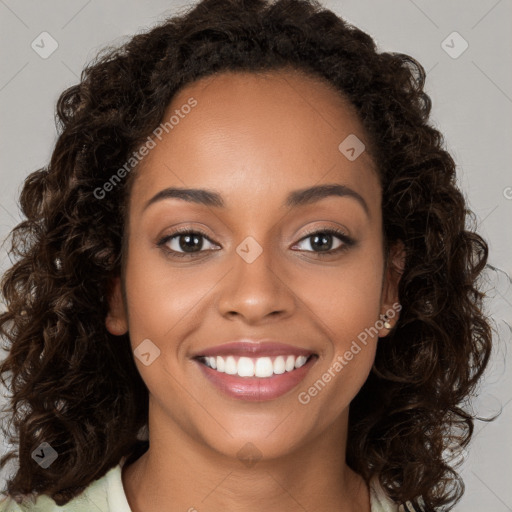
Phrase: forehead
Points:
(257, 135)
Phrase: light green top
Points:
(107, 495)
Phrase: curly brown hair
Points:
(76, 386)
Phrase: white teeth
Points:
(301, 361)
(230, 367)
(264, 367)
(261, 367)
(279, 366)
(245, 367)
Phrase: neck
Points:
(179, 473)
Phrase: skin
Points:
(253, 139)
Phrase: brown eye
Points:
(184, 243)
(189, 243)
(321, 241)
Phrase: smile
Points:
(254, 370)
(261, 367)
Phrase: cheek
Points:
(346, 298)
(347, 360)
(160, 296)
(346, 306)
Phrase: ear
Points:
(116, 320)
(390, 305)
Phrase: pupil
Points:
(324, 243)
(189, 242)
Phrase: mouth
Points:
(255, 371)
(260, 367)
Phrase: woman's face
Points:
(258, 273)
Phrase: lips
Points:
(255, 370)
(251, 348)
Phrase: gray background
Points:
(472, 105)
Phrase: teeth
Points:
(231, 367)
(301, 361)
(279, 365)
(261, 367)
(245, 367)
(264, 367)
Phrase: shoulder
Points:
(90, 499)
(103, 495)
(380, 501)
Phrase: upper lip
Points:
(247, 347)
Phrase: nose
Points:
(257, 290)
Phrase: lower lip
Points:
(254, 388)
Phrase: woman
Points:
(245, 280)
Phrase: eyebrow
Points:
(295, 199)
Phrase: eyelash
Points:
(347, 241)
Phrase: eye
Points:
(184, 243)
(321, 241)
